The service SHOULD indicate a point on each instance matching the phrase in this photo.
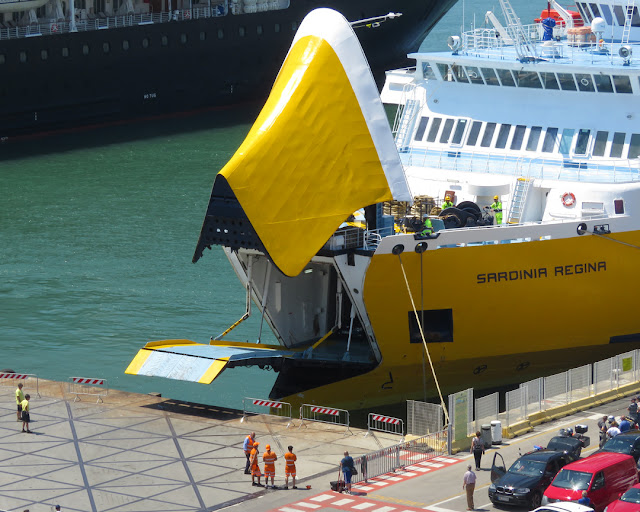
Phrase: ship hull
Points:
(205, 64)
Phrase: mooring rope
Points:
(424, 342)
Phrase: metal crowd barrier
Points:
(25, 377)
(386, 424)
(88, 386)
(321, 414)
(399, 456)
(273, 408)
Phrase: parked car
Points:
(603, 475)
(564, 507)
(628, 502)
(524, 483)
(627, 442)
(571, 444)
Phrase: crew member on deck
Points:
(428, 227)
(447, 202)
(497, 209)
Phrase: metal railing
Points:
(393, 458)
(486, 410)
(89, 386)
(26, 379)
(424, 418)
(386, 424)
(259, 406)
(322, 414)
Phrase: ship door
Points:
(155, 6)
(498, 467)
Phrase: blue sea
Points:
(97, 232)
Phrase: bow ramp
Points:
(320, 149)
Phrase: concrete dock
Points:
(135, 453)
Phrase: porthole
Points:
(106, 47)
(164, 41)
(125, 45)
(44, 54)
(259, 30)
(203, 36)
(85, 49)
(65, 52)
(220, 33)
(23, 56)
(145, 43)
(183, 38)
(241, 31)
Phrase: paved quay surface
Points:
(143, 453)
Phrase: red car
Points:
(628, 502)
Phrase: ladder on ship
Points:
(406, 119)
(518, 200)
(521, 42)
(626, 31)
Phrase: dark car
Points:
(526, 480)
(627, 442)
(572, 445)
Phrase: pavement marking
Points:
(431, 508)
(384, 509)
(364, 487)
(405, 473)
(342, 502)
(322, 497)
(421, 469)
(444, 459)
(288, 509)
(307, 505)
(380, 484)
(432, 464)
(362, 506)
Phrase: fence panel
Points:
(580, 382)
(626, 367)
(385, 424)
(89, 386)
(29, 380)
(555, 390)
(266, 407)
(535, 392)
(321, 414)
(388, 460)
(424, 418)
(603, 376)
(486, 410)
(516, 406)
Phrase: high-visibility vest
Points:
(19, 396)
(248, 444)
(269, 458)
(447, 204)
(25, 405)
(497, 206)
(290, 459)
(254, 458)
(428, 227)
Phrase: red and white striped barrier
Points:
(267, 403)
(88, 386)
(322, 414)
(387, 424)
(10, 377)
(18, 376)
(386, 419)
(83, 380)
(325, 410)
(257, 405)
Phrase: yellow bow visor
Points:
(320, 149)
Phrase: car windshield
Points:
(527, 467)
(570, 479)
(631, 496)
(618, 445)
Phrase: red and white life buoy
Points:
(54, 27)
(187, 15)
(568, 199)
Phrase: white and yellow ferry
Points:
(368, 317)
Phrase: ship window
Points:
(549, 81)
(622, 84)
(603, 83)
(85, 49)
(635, 19)
(65, 52)
(473, 133)
(459, 73)
(445, 72)
(276, 28)
(422, 126)
(565, 141)
(581, 10)
(582, 141)
(549, 142)
(600, 144)
(490, 76)
(566, 82)
(503, 135)
(459, 131)
(106, 47)
(506, 78)
(203, 36)
(585, 82)
(527, 79)
(634, 146)
(618, 204)
(427, 71)
(534, 137)
(259, 30)
(617, 10)
(594, 10)
(518, 137)
(433, 131)
(487, 137)
(242, 31)
(617, 145)
(44, 54)
(125, 45)
(145, 42)
(183, 38)
(606, 12)
(437, 326)
(585, 9)
(474, 75)
(164, 40)
(446, 131)
(220, 33)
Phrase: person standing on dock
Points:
(346, 466)
(497, 209)
(469, 485)
(477, 448)
(269, 459)
(633, 410)
(25, 413)
(255, 465)
(19, 399)
(247, 446)
(290, 467)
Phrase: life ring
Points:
(601, 44)
(568, 199)
(187, 15)
(54, 27)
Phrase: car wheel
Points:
(536, 500)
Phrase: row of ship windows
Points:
(588, 11)
(503, 136)
(23, 55)
(533, 79)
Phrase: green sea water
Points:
(97, 232)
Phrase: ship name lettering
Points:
(580, 268)
(536, 273)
